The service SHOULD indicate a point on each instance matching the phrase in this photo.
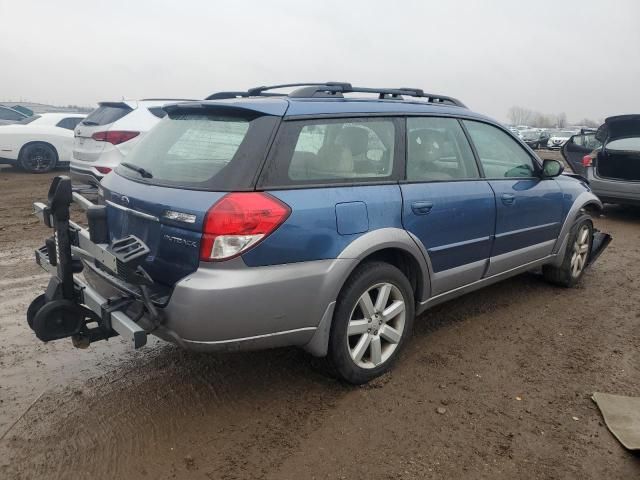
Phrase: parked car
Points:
(108, 133)
(39, 143)
(558, 138)
(310, 219)
(574, 150)
(613, 169)
(535, 138)
(10, 115)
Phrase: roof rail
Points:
(336, 90)
(171, 99)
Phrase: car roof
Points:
(297, 107)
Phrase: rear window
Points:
(625, 144)
(202, 151)
(321, 151)
(106, 114)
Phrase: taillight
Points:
(114, 136)
(239, 221)
(103, 170)
(587, 160)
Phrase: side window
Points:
(577, 140)
(437, 149)
(8, 114)
(501, 156)
(69, 123)
(591, 142)
(333, 151)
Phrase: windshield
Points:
(201, 151)
(531, 135)
(563, 134)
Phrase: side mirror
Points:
(551, 168)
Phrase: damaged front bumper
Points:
(70, 307)
(599, 242)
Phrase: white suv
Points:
(109, 132)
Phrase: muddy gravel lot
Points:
(494, 385)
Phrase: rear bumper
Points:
(243, 308)
(614, 191)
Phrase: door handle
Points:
(508, 198)
(421, 208)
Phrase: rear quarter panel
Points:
(311, 231)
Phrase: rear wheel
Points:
(371, 323)
(576, 256)
(38, 157)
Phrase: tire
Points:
(574, 264)
(38, 157)
(376, 339)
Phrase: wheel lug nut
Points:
(369, 331)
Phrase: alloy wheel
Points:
(39, 159)
(580, 253)
(376, 325)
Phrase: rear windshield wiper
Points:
(89, 122)
(144, 173)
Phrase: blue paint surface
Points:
(352, 218)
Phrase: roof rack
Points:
(336, 90)
(171, 99)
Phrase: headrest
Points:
(355, 139)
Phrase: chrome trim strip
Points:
(528, 229)
(246, 339)
(459, 244)
(132, 212)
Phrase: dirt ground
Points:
(494, 385)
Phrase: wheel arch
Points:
(586, 202)
(391, 245)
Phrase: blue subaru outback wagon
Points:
(326, 218)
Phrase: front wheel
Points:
(372, 321)
(576, 257)
(38, 158)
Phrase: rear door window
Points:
(333, 151)
(69, 123)
(500, 155)
(202, 151)
(438, 150)
(106, 114)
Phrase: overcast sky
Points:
(580, 57)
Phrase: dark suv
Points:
(256, 219)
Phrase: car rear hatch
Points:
(193, 158)
(619, 158)
(86, 148)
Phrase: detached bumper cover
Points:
(600, 241)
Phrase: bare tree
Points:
(587, 122)
(520, 115)
(561, 120)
